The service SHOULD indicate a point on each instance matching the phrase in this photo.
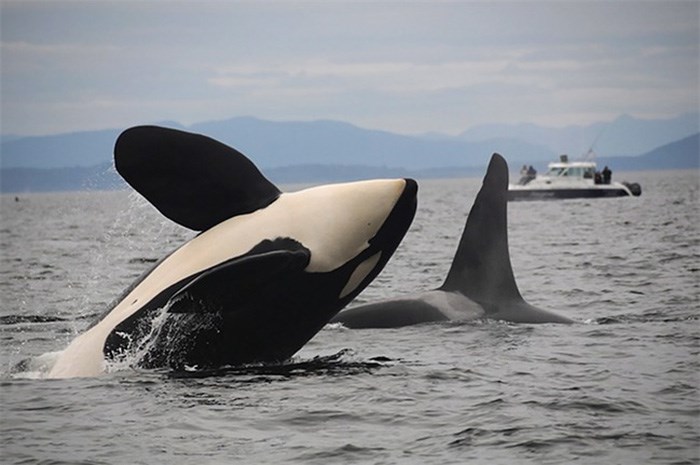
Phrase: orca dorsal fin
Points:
(481, 268)
(192, 179)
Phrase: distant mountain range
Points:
(336, 151)
(275, 144)
(625, 136)
(682, 154)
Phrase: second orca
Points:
(480, 283)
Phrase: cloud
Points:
(25, 57)
(410, 67)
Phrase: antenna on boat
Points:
(590, 154)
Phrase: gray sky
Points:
(407, 67)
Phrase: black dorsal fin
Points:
(192, 179)
(481, 268)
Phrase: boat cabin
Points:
(568, 172)
(569, 180)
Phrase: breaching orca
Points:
(267, 272)
(480, 283)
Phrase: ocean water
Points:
(620, 386)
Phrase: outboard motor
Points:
(634, 188)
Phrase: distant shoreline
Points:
(101, 178)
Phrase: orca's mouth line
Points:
(392, 231)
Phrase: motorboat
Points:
(566, 179)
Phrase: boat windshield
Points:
(555, 171)
(571, 171)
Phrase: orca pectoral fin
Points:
(192, 179)
(232, 284)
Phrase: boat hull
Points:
(566, 193)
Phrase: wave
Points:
(21, 319)
(338, 364)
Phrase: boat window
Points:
(576, 172)
(555, 171)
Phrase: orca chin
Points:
(268, 270)
(480, 283)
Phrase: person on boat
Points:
(531, 173)
(607, 174)
(523, 173)
(526, 175)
